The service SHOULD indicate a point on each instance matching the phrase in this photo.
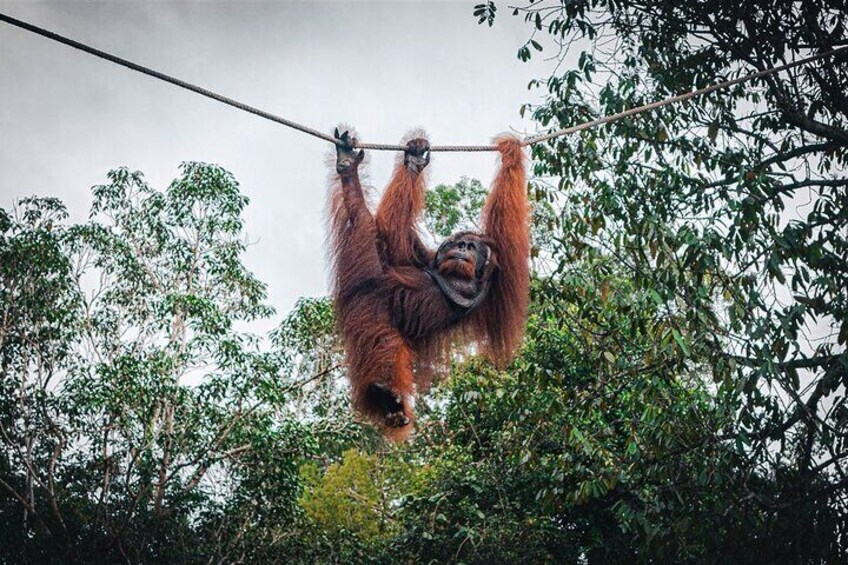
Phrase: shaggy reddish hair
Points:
(392, 314)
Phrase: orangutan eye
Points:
(471, 246)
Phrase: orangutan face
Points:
(465, 255)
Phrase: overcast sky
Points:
(67, 118)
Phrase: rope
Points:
(681, 97)
(391, 147)
(163, 76)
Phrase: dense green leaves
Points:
(727, 213)
(130, 401)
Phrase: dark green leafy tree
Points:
(596, 443)
(728, 212)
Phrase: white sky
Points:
(67, 118)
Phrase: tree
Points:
(596, 444)
(352, 497)
(137, 421)
(729, 211)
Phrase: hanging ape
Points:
(399, 303)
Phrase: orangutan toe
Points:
(396, 420)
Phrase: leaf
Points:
(712, 131)
(679, 339)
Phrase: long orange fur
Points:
(506, 221)
(391, 314)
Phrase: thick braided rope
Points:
(454, 148)
(393, 147)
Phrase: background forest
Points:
(680, 396)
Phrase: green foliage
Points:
(350, 497)
(453, 208)
(727, 214)
(127, 391)
(486, 13)
(575, 450)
